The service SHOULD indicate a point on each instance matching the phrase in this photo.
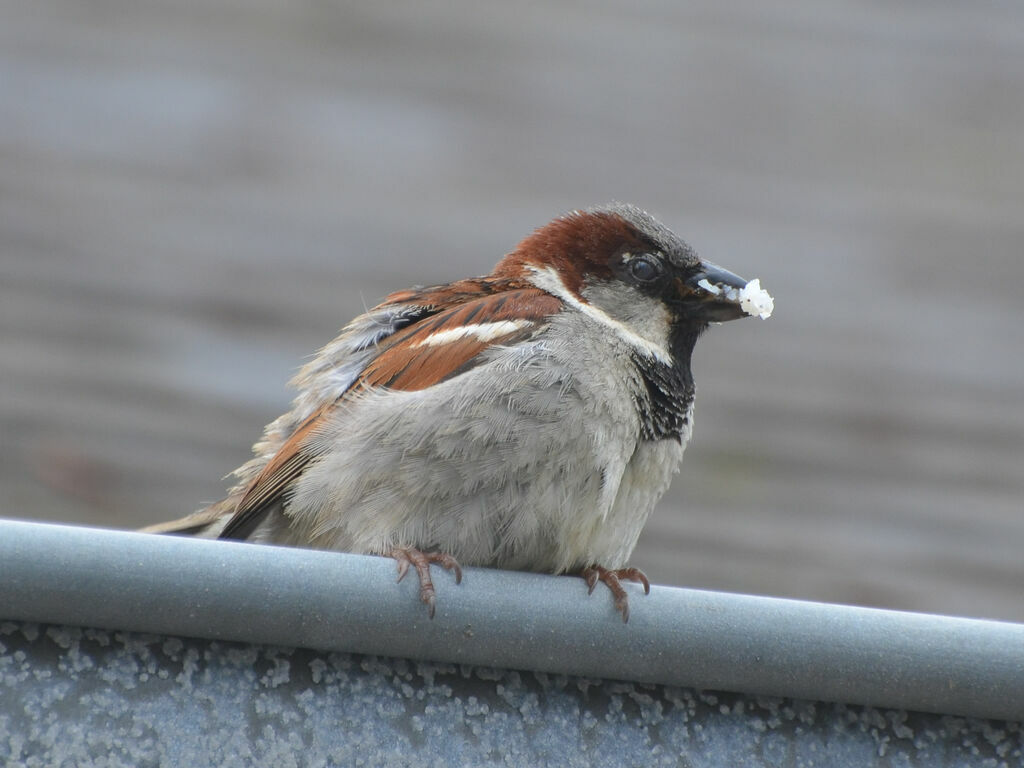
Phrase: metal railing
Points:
(676, 639)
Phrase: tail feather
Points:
(206, 523)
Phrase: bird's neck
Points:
(664, 406)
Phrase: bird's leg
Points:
(406, 556)
(595, 573)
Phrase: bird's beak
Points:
(716, 295)
(713, 293)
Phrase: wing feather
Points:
(445, 333)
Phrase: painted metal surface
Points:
(74, 697)
(335, 602)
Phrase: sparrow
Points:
(529, 419)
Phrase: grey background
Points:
(196, 195)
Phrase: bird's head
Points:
(620, 264)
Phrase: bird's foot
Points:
(595, 573)
(406, 556)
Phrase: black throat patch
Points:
(664, 404)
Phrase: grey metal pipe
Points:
(756, 645)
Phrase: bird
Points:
(529, 419)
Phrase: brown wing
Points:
(431, 350)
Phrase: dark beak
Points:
(713, 293)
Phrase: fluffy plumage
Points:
(529, 419)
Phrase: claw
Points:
(406, 556)
(447, 562)
(635, 574)
(595, 573)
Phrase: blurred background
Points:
(194, 196)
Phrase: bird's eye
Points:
(644, 269)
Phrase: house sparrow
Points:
(529, 419)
